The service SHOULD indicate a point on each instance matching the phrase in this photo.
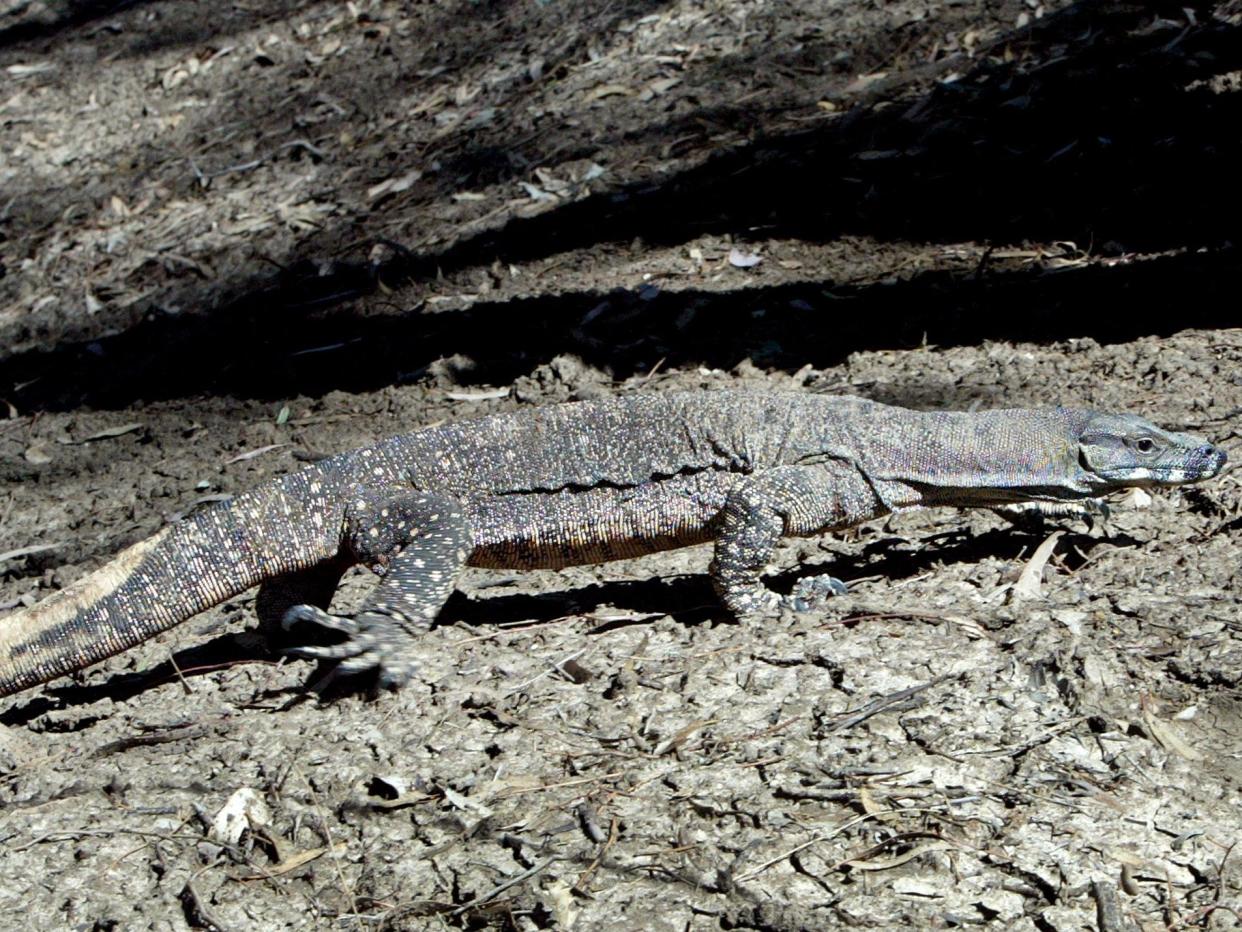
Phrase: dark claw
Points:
(373, 642)
(317, 616)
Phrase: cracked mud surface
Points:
(232, 244)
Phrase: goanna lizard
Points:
(574, 483)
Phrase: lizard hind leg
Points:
(312, 586)
(418, 543)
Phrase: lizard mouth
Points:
(1204, 463)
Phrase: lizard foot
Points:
(811, 593)
(373, 642)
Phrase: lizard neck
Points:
(971, 458)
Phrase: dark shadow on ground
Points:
(285, 113)
(141, 25)
(290, 350)
(688, 599)
(33, 28)
(1103, 143)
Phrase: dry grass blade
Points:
(292, 863)
(29, 551)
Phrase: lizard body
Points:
(582, 482)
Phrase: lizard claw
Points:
(374, 642)
(811, 592)
(317, 616)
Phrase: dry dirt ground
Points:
(236, 236)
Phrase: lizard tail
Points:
(160, 582)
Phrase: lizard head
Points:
(1123, 450)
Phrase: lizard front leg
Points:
(792, 501)
(419, 543)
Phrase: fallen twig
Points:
(511, 882)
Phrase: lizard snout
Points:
(1208, 460)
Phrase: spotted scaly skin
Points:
(584, 482)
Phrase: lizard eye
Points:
(1145, 445)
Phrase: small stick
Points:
(511, 882)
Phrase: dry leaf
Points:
(236, 815)
(251, 454)
(1137, 498)
(465, 803)
(559, 895)
(1167, 737)
(26, 71)
(743, 260)
(108, 433)
(883, 864)
(38, 454)
(676, 739)
(1029, 583)
(536, 194)
(873, 808)
(478, 396)
(292, 862)
(394, 185)
(608, 90)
